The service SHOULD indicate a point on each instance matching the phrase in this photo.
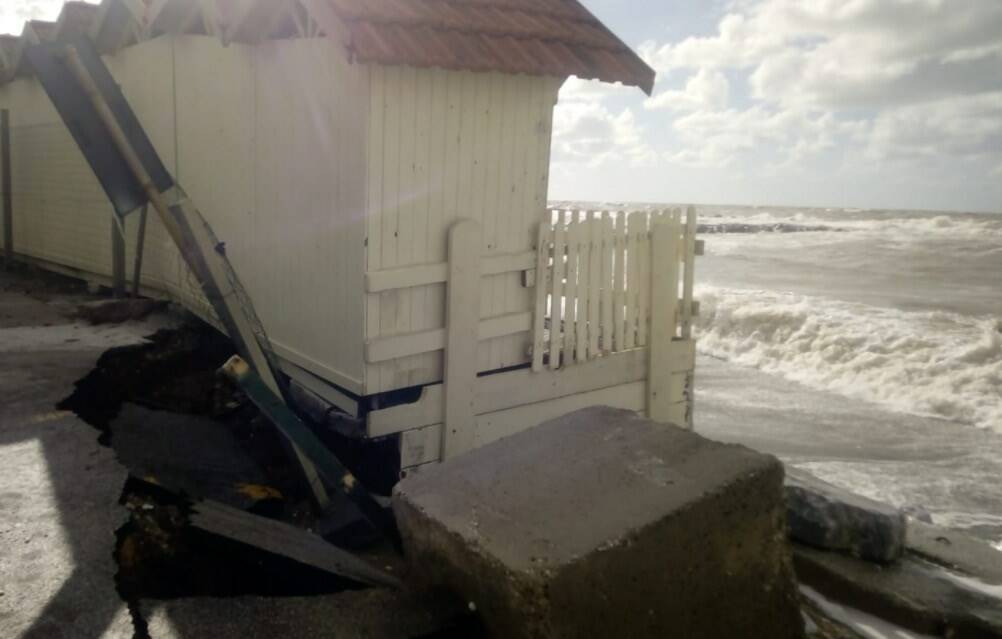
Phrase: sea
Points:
(864, 346)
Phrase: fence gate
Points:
(612, 281)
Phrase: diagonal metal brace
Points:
(301, 437)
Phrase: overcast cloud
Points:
(882, 103)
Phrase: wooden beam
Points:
(5, 186)
(321, 388)
(102, 15)
(210, 17)
(152, 13)
(281, 10)
(330, 24)
(461, 339)
(117, 256)
(137, 266)
(195, 13)
(234, 28)
(387, 348)
(425, 274)
(287, 541)
(522, 387)
(664, 317)
(543, 236)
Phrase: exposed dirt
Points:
(158, 554)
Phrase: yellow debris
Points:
(258, 492)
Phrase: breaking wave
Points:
(955, 226)
(936, 364)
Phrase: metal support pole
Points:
(207, 267)
(117, 256)
(137, 267)
(5, 185)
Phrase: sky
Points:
(835, 103)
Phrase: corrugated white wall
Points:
(268, 141)
(443, 146)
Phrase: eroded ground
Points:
(106, 432)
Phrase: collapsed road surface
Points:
(94, 542)
(90, 552)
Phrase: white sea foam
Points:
(928, 363)
(939, 226)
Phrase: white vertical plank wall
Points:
(444, 146)
(320, 174)
(272, 157)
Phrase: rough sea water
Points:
(863, 346)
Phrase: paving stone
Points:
(911, 593)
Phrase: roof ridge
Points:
(500, 33)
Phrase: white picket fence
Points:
(610, 281)
(611, 324)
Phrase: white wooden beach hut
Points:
(378, 171)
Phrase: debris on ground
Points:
(910, 593)
(825, 516)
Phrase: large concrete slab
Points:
(603, 524)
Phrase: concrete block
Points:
(825, 516)
(603, 524)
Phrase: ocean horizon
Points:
(862, 345)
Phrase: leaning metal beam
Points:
(300, 436)
(191, 234)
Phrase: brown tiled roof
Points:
(536, 37)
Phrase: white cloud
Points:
(839, 53)
(963, 126)
(706, 90)
(586, 131)
(717, 138)
(922, 76)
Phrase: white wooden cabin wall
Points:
(269, 143)
(443, 146)
(313, 171)
(61, 214)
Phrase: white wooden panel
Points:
(594, 282)
(571, 289)
(423, 274)
(608, 260)
(419, 446)
(514, 388)
(398, 346)
(557, 307)
(274, 157)
(462, 318)
(619, 284)
(544, 238)
(476, 147)
(664, 304)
